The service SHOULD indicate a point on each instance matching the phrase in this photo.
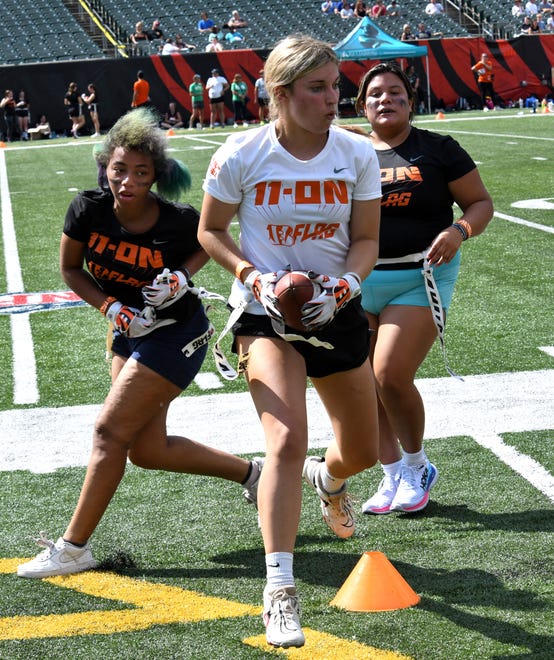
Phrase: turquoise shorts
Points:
(407, 287)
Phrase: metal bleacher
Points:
(42, 31)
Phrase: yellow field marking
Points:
(158, 604)
(327, 647)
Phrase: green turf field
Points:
(186, 551)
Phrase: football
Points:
(293, 290)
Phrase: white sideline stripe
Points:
(482, 407)
(526, 223)
(549, 350)
(24, 366)
(524, 465)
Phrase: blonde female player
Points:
(306, 194)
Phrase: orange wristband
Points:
(241, 267)
(105, 305)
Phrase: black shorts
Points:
(262, 102)
(74, 112)
(348, 333)
(162, 350)
(217, 99)
(198, 105)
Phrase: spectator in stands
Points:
(422, 31)
(23, 114)
(407, 34)
(328, 7)
(360, 9)
(531, 8)
(214, 45)
(541, 22)
(518, 10)
(236, 20)
(261, 97)
(483, 69)
(172, 117)
(234, 38)
(205, 24)
(347, 11)
(155, 32)
(141, 91)
(139, 39)
(182, 45)
(74, 105)
(378, 9)
(525, 26)
(339, 5)
(393, 9)
(535, 27)
(196, 91)
(90, 97)
(8, 105)
(239, 91)
(550, 23)
(434, 7)
(41, 130)
(170, 48)
(217, 85)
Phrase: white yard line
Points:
(526, 223)
(24, 366)
(482, 408)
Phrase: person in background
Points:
(245, 179)
(196, 91)
(239, 91)
(139, 39)
(90, 97)
(417, 232)
(393, 9)
(407, 34)
(172, 117)
(483, 69)
(74, 105)
(360, 9)
(182, 45)
(23, 114)
(434, 7)
(205, 24)
(7, 104)
(261, 97)
(141, 91)
(217, 85)
(41, 130)
(155, 31)
(236, 21)
(214, 45)
(159, 329)
(170, 48)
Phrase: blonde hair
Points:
(291, 59)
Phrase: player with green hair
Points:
(140, 251)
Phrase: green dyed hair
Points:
(138, 131)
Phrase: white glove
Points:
(129, 321)
(336, 292)
(263, 286)
(166, 288)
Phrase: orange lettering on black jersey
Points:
(397, 174)
(101, 273)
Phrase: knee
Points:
(287, 446)
(390, 382)
(106, 438)
(140, 457)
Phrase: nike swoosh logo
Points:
(336, 170)
(274, 565)
(158, 242)
(414, 158)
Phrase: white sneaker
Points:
(414, 486)
(96, 135)
(235, 125)
(60, 558)
(383, 498)
(281, 617)
(336, 508)
(251, 492)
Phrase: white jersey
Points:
(293, 212)
(215, 85)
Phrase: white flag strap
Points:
(433, 296)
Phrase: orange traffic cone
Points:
(440, 115)
(374, 585)
(2, 145)
(545, 109)
(170, 132)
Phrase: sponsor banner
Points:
(45, 301)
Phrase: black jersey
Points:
(416, 203)
(122, 262)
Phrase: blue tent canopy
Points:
(368, 42)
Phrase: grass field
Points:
(183, 555)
